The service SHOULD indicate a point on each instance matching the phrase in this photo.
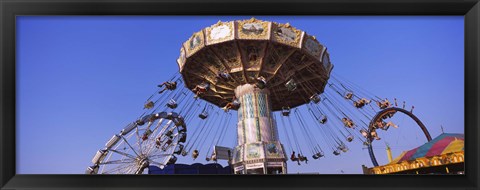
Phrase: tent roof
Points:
(444, 143)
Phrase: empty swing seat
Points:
(261, 82)
(348, 95)
(291, 85)
(315, 98)
(184, 153)
(350, 138)
(323, 119)
(317, 155)
(286, 111)
(203, 115)
(172, 104)
(336, 152)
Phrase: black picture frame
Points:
(9, 9)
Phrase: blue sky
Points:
(81, 79)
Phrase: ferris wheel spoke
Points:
(152, 144)
(132, 169)
(118, 168)
(124, 161)
(157, 155)
(125, 140)
(160, 121)
(123, 153)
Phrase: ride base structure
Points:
(259, 149)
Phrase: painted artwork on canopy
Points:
(312, 46)
(220, 32)
(238, 154)
(286, 34)
(272, 150)
(194, 44)
(254, 151)
(253, 29)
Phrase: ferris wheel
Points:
(152, 140)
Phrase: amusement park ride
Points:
(265, 71)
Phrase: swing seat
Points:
(179, 149)
(336, 152)
(260, 84)
(285, 111)
(350, 138)
(149, 105)
(195, 154)
(171, 87)
(172, 104)
(315, 98)
(343, 148)
(172, 160)
(214, 158)
(348, 95)
(291, 85)
(364, 133)
(317, 155)
(323, 119)
(358, 104)
(203, 115)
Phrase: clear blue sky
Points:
(82, 79)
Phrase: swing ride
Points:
(267, 72)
